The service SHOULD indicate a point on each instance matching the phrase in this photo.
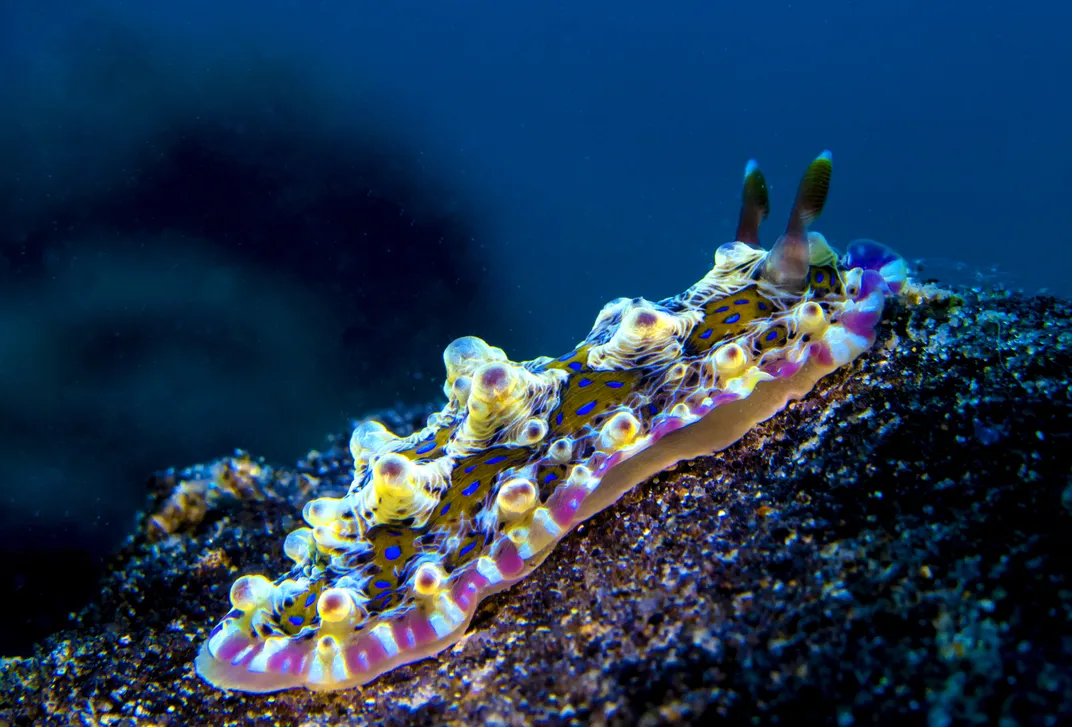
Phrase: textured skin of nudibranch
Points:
(523, 452)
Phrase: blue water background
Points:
(596, 149)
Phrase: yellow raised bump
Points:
(328, 539)
(496, 398)
(619, 431)
(533, 431)
(369, 437)
(681, 411)
(820, 254)
(251, 591)
(730, 360)
(579, 475)
(561, 450)
(518, 534)
(735, 254)
(298, 545)
(321, 511)
(676, 372)
(460, 391)
(393, 476)
(463, 356)
(334, 605)
(811, 318)
(327, 645)
(393, 486)
(429, 579)
(516, 498)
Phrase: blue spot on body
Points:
(706, 334)
(733, 319)
(819, 277)
(584, 382)
(445, 510)
(466, 548)
(741, 301)
(771, 336)
(471, 488)
(723, 309)
(576, 365)
(470, 468)
(615, 384)
(496, 459)
(296, 620)
(310, 599)
(425, 448)
(586, 409)
(381, 584)
(392, 552)
(761, 305)
(550, 477)
(558, 419)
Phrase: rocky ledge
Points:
(885, 551)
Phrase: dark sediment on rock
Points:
(886, 551)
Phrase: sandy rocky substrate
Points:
(885, 552)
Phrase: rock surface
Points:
(886, 551)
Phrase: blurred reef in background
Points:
(885, 551)
(181, 273)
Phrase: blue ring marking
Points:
(381, 584)
(819, 277)
(707, 334)
(615, 384)
(425, 448)
(466, 548)
(296, 620)
(771, 336)
(445, 510)
(471, 488)
(586, 409)
(392, 552)
(723, 309)
(310, 599)
(733, 319)
(576, 366)
(550, 477)
(497, 459)
(742, 301)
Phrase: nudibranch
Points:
(523, 452)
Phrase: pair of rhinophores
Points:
(522, 452)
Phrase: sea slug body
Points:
(523, 452)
